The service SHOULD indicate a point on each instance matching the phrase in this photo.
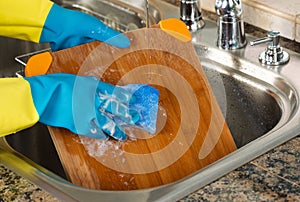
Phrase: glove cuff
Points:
(23, 19)
(17, 108)
(53, 30)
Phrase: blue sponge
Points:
(146, 104)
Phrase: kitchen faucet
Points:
(190, 14)
(231, 34)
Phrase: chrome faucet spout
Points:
(190, 14)
(231, 34)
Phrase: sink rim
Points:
(63, 189)
(278, 86)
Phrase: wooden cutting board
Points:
(191, 130)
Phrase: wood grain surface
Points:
(191, 131)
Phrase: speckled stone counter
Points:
(15, 188)
(274, 176)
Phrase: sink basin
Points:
(260, 105)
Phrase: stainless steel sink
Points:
(121, 18)
(260, 104)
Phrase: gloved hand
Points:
(44, 21)
(87, 106)
(65, 28)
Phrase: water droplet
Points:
(93, 130)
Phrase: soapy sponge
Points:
(146, 104)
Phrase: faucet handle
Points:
(273, 54)
(191, 15)
(228, 8)
(272, 36)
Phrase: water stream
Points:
(147, 14)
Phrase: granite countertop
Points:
(274, 176)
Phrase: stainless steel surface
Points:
(231, 33)
(115, 15)
(261, 107)
(190, 14)
(273, 55)
(10, 48)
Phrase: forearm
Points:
(17, 110)
(23, 19)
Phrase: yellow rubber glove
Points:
(23, 19)
(17, 110)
